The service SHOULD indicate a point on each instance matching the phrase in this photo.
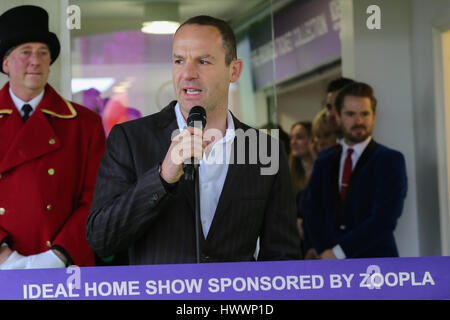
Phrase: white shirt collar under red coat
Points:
(19, 102)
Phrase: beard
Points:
(359, 136)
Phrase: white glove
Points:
(47, 259)
(14, 261)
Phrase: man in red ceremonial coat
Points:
(50, 151)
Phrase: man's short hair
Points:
(228, 37)
(357, 89)
(338, 84)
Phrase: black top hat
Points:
(26, 24)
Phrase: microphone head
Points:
(197, 116)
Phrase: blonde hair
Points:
(321, 123)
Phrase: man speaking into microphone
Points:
(144, 204)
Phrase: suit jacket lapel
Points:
(368, 151)
(236, 172)
(168, 124)
(334, 176)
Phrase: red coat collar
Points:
(52, 103)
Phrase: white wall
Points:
(382, 58)
(426, 16)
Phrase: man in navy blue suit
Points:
(357, 188)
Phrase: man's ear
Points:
(237, 65)
(5, 65)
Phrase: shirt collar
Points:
(230, 134)
(19, 102)
(357, 148)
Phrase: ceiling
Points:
(100, 16)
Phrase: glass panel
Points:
(307, 57)
(257, 82)
(445, 219)
(126, 74)
(122, 75)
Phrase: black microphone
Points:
(196, 119)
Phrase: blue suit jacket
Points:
(364, 224)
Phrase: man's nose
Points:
(189, 71)
(35, 58)
(359, 119)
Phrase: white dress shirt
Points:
(19, 102)
(213, 170)
(358, 150)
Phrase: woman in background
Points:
(324, 136)
(301, 162)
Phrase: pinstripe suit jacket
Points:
(132, 210)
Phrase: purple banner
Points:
(115, 48)
(306, 37)
(362, 279)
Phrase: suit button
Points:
(2, 211)
(205, 258)
(52, 141)
(154, 197)
(48, 243)
(342, 227)
(51, 171)
(49, 207)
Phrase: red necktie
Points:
(346, 173)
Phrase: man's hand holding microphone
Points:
(186, 149)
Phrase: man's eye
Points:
(204, 62)
(177, 61)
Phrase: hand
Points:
(300, 228)
(188, 144)
(60, 255)
(5, 252)
(327, 255)
(311, 254)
